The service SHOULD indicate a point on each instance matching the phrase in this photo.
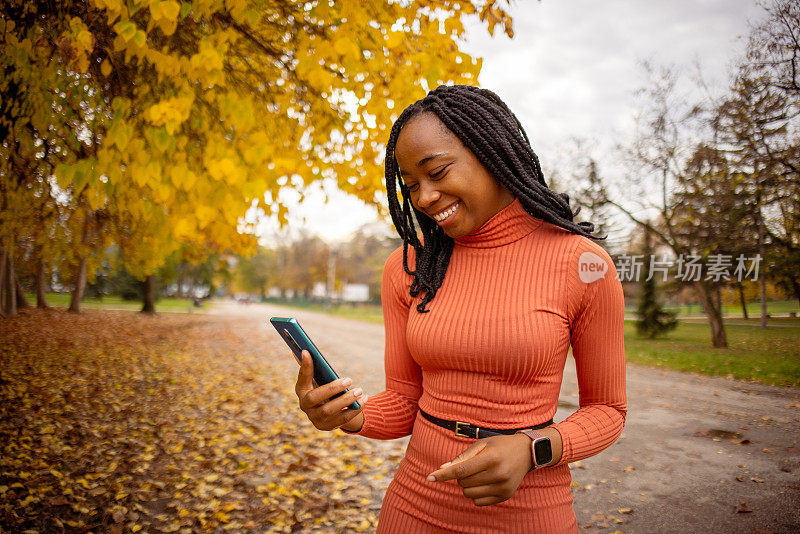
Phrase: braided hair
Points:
(486, 126)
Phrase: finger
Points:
(487, 501)
(347, 416)
(322, 394)
(335, 413)
(482, 478)
(305, 374)
(464, 465)
(483, 492)
(467, 453)
(339, 403)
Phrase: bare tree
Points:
(694, 191)
(774, 45)
(758, 125)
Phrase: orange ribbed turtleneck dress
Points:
(491, 352)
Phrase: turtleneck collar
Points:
(510, 224)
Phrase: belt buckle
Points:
(464, 433)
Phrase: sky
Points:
(570, 71)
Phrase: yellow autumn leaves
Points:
(164, 14)
(170, 113)
(166, 121)
(188, 424)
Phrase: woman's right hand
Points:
(326, 413)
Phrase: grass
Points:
(61, 300)
(782, 307)
(769, 356)
(370, 313)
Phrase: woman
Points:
(479, 316)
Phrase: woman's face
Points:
(446, 180)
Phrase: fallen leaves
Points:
(602, 520)
(718, 434)
(743, 508)
(120, 422)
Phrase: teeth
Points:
(439, 217)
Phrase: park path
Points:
(698, 454)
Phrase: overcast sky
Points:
(571, 71)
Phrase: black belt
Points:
(469, 431)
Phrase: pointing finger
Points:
(465, 464)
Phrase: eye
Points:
(412, 187)
(440, 172)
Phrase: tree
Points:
(306, 264)
(755, 125)
(711, 219)
(652, 319)
(774, 56)
(258, 272)
(361, 259)
(774, 45)
(591, 199)
(185, 115)
(661, 154)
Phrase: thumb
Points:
(467, 453)
(306, 372)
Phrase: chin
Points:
(454, 233)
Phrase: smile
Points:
(444, 215)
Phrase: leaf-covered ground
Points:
(119, 422)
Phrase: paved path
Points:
(694, 450)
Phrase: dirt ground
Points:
(698, 454)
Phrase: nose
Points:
(428, 195)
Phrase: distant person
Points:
(492, 285)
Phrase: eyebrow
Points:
(426, 159)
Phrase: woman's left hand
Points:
(490, 470)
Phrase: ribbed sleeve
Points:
(390, 414)
(597, 338)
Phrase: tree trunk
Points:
(763, 301)
(181, 274)
(41, 285)
(148, 295)
(22, 300)
(80, 277)
(80, 285)
(762, 253)
(718, 337)
(10, 289)
(796, 287)
(2, 280)
(741, 298)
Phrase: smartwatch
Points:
(541, 448)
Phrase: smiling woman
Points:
(447, 183)
(474, 374)
(486, 131)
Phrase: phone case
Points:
(298, 341)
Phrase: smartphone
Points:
(297, 339)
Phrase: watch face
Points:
(543, 451)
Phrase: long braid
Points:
(485, 124)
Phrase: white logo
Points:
(591, 267)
